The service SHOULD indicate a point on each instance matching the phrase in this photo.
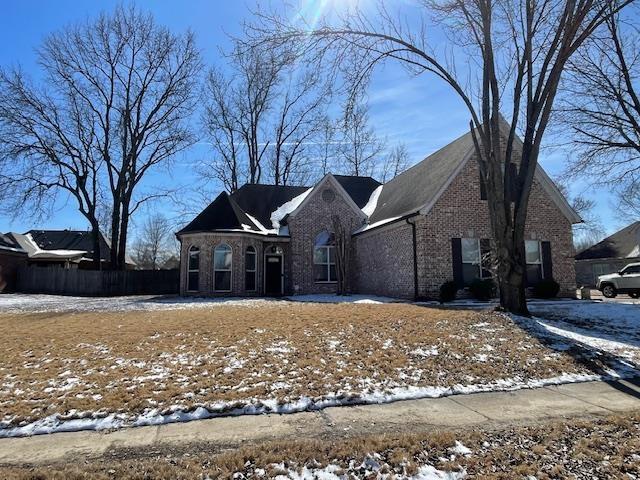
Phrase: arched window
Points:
(222, 258)
(250, 269)
(324, 258)
(193, 269)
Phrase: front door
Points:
(273, 275)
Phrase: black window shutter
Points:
(512, 185)
(485, 256)
(547, 264)
(456, 255)
(483, 188)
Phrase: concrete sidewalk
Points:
(458, 411)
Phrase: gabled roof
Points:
(423, 183)
(73, 240)
(418, 188)
(358, 188)
(260, 201)
(8, 243)
(221, 214)
(622, 244)
(35, 252)
(251, 207)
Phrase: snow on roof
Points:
(34, 251)
(371, 205)
(286, 208)
(376, 224)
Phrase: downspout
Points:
(415, 258)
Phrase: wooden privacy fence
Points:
(59, 281)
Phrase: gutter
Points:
(415, 257)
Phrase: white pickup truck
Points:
(626, 280)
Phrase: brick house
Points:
(608, 256)
(426, 226)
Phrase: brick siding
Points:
(382, 259)
(315, 216)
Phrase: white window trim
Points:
(189, 270)
(480, 269)
(327, 264)
(222, 270)
(251, 250)
(539, 262)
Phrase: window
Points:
(324, 258)
(475, 259)
(222, 257)
(250, 269)
(193, 269)
(533, 256)
(634, 269)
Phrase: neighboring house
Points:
(428, 225)
(12, 257)
(608, 256)
(64, 248)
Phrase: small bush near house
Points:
(546, 289)
(483, 289)
(448, 291)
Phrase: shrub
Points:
(448, 291)
(546, 289)
(482, 289)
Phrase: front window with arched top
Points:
(222, 262)
(250, 269)
(193, 269)
(324, 258)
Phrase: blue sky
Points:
(419, 111)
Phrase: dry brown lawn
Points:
(604, 448)
(80, 364)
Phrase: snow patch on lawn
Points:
(27, 303)
(329, 298)
(75, 421)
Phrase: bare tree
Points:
(361, 148)
(153, 245)
(49, 143)
(602, 110)
(602, 103)
(395, 162)
(299, 118)
(591, 227)
(261, 118)
(116, 98)
(342, 236)
(221, 125)
(520, 49)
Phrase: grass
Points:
(79, 364)
(606, 447)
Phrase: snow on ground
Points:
(611, 328)
(328, 298)
(37, 303)
(608, 332)
(371, 467)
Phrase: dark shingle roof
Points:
(420, 184)
(358, 188)
(8, 242)
(70, 240)
(221, 214)
(622, 244)
(230, 212)
(260, 201)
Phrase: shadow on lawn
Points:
(608, 365)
